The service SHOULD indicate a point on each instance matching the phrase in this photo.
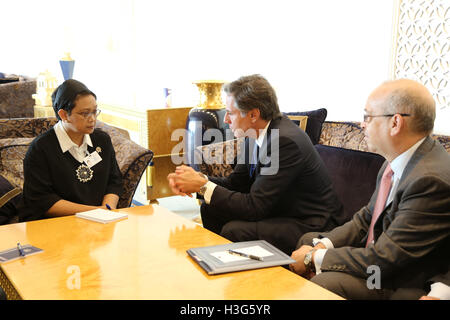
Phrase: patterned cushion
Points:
(11, 163)
(16, 99)
(15, 141)
(218, 159)
(444, 140)
(348, 135)
(25, 127)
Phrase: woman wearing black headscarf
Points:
(72, 167)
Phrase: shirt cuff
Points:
(318, 259)
(210, 186)
(325, 241)
(440, 290)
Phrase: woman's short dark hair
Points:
(254, 91)
(65, 96)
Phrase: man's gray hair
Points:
(418, 103)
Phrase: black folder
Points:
(216, 259)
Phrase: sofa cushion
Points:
(9, 200)
(218, 159)
(353, 174)
(15, 141)
(16, 99)
(348, 135)
(314, 124)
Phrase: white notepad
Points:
(101, 215)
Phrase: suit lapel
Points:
(423, 149)
(265, 150)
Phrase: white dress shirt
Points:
(66, 144)
(210, 186)
(398, 165)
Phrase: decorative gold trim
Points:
(9, 195)
(303, 121)
(11, 292)
(210, 94)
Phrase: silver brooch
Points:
(84, 173)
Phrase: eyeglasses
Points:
(87, 115)
(367, 117)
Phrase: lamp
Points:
(46, 83)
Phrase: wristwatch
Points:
(308, 261)
(203, 187)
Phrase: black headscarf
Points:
(64, 96)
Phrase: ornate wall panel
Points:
(422, 46)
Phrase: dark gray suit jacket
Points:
(412, 234)
(298, 187)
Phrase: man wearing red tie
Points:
(401, 238)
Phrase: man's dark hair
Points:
(254, 91)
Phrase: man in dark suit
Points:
(278, 196)
(402, 237)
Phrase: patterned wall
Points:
(422, 46)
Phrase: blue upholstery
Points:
(353, 174)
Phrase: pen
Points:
(107, 206)
(19, 247)
(251, 256)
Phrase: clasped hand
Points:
(299, 256)
(185, 181)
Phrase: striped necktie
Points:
(254, 160)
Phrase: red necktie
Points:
(383, 192)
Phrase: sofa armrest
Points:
(132, 160)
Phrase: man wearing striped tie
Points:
(401, 239)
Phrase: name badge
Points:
(92, 159)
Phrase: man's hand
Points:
(185, 181)
(428, 298)
(299, 255)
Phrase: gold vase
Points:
(210, 94)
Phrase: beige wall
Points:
(316, 53)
